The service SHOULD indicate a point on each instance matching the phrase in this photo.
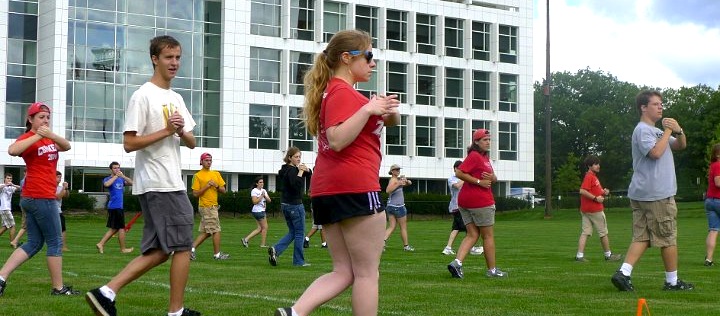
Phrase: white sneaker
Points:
(477, 250)
(448, 251)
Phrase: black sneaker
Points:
(680, 286)
(283, 311)
(306, 243)
(3, 284)
(190, 312)
(708, 263)
(455, 269)
(65, 290)
(622, 282)
(101, 305)
(272, 256)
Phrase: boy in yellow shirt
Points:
(206, 185)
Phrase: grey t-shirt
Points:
(652, 179)
(453, 206)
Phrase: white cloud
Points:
(644, 51)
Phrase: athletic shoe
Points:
(272, 256)
(708, 263)
(283, 311)
(455, 269)
(65, 290)
(582, 259)
(448, 251)
(495, 274)
(613, 257)
(680, 286)
(323, 245)
(306, 243)
(101, 305)
(245, 243)
(477, 250)
(221, 256)
(3, 285)
(192, 255)
(622, 282)
(190, 312)
(408, 248)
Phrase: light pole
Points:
(548, 119)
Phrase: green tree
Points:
(567, 177)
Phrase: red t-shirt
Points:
(472, 195)
(591, 184)
(713, 191)
(354, 169)
(41, 161)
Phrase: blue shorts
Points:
(712, 210)
(258, 215)
(397, 211)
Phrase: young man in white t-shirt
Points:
(156, 123)
(7, 188)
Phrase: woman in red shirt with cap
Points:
(39, 148)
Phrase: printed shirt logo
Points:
(49, 149)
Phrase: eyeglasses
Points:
(368, 54)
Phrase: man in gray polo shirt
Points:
(651, 192)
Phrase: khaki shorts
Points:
(655, 222)
(209, 219)
(481, 217)
(7, 218)
(597, 220)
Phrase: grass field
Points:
(537, 253)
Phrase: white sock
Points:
(193, 249)
(324, 243)
(458, 262)
(2, 279)
(626, 269)
(107, 292)
(671, 277)
(608, 253)
(294, 313)
(448, 247)
(579, 255)
(178, 313)
(307, 238)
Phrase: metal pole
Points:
(548, 120)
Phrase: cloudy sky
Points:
(658, 43)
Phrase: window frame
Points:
(255, 139)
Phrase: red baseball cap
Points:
(203, 156)
(480, 133)
(36, 108)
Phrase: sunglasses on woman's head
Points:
(368, 54)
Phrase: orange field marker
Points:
(642, 302)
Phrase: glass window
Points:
(298, 135)
(22, 26)
(426, 25)
(481, 90)
(508, 93)
(396, 138)
(425, 85)
(481, 40)
(370, 87)
(265, 17)
(454, 143)
(476, 124)
(397, 80)
(335, 19)
(508, 44)
(507, 140)
(299, 64)
(264, 70)
(396, 30)
(453, 87)
(425, 136)
(302, 19)
(366, 19)
(454, 37)
(264, 126)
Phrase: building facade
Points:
(456, 65)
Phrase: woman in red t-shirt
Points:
(712, 204)
(39, 148)
(345, 185)
(476, 204)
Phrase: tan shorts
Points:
(481, 217)
(597, 220)
(655, 222)
(209, 219)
